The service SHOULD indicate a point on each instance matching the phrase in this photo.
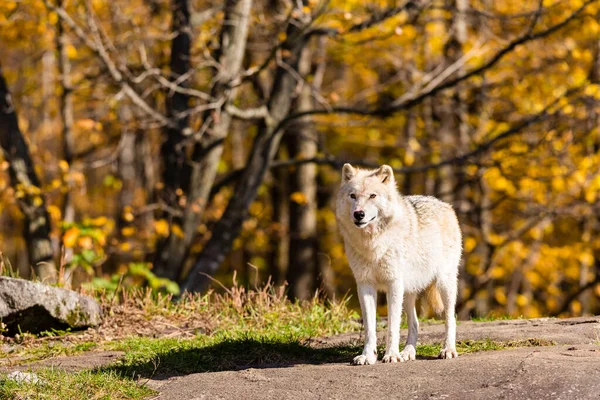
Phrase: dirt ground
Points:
(568, 370)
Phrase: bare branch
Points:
(413, 6)
(248, 114)
(95, 45)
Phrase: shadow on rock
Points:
(234, 355)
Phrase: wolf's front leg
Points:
(395, 295)
(367, 294)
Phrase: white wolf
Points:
(404, 245)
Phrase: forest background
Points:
(175, 143)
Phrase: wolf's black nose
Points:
(358, 215)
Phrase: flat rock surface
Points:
(561, 372)
(568, 370)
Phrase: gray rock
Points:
(27, 306)
(23, 377)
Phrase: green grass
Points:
(495, 317)
(56, 384)
(48, 350)
(491, 318)
(472, 346)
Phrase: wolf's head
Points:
(367, 197)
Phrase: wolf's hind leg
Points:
(410, 349)
(448, 290)
(367, 295)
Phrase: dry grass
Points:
(142, 313)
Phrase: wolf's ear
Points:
(386, 174)
(348, 172)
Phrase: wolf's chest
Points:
(375, 263)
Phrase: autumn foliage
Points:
(157, 157)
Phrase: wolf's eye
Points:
(372, 196)
(353, 196)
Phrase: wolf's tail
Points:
(433, 297)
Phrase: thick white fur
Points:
(403, 245)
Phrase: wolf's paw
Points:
(448, 353)
(409, 353)
(365, 360)
(393, 357)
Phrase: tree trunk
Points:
(280, 239)
(207, 154)
(264, 149)
(453, 127)
(238, 259)
(172, 150)
(302, 142)
(66, 115)
(28, 189)
(326, 279)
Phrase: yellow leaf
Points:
(497, 272)
(496, 239)
(128, 231)
(161, 227)
(592, 90)
(414, 144)
(470, 244)
(586, 258)
(85, 124)
(99, 221)
(576, 307)
(37, 201)
(71, 51)
(63, 165)
(70, 236)
(298, 198)
(536, 233)
(54, 212)
(521, 300)
(558, 184)
(85, 242)
(578, 76)
(177, 230)
(128, 216)
(125, 246)
(500, 296)
(409, 32)
(53, 18)
(282, 36)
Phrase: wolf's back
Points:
(433, 213)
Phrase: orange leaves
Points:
(469, 244)
(85, 124)
(161, 227)
(299, 198)
(70, 236)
